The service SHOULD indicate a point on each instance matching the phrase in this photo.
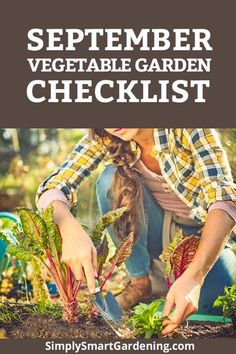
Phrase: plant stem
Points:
(55, 276)
(70, 312)
(177, 275)
(108, 276)
(77, 288)
(168, 282)
(69, 282)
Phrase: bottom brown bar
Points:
(119, 346)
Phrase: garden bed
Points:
(39, 326)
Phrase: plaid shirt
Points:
(192, 161)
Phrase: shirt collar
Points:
(161, 140)
(161, 143)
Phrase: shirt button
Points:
(166, 187)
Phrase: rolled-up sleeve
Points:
(85, 157)
(211, 166)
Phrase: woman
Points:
(181, 173)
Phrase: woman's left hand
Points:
(183, 296)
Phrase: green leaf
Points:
(4, 237)
(140, 308)
(218, 302)
(123, 251)
(20, 252)
(17, 233)
(102, 253)
(54, 240)
(149, 334)
(106, 220)
(227, 301)
(155, 305)
(53, 234)
(167, 253)
(33, 225)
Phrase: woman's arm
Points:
(185, 292)
(78, 250)
(60, 190)
(85, 158)
(212, 168)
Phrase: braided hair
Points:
(126, 188)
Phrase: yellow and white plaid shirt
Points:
(192, 161)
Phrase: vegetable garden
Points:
(28, 309)
(40, 297)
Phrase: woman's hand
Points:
(78, 250)
(184, 294)
(183, 297)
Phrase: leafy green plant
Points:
(100, 241)
(9, 313)
(122, 252)
(16, 248)
(146, 319)
(228, 303)
(178, 255)
(39, 239)
(48, 309)
(40, 290)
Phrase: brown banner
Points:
(18, 18)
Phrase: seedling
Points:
(9, 313)
(146, 319)
(228, 303)
(49, 309)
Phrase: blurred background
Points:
(27, 156)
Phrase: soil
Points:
(38, 326)
(205, 330)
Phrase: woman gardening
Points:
(165, 178)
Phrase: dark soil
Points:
(38, 326)
(205, 330)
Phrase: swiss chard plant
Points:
(39, 239)
(146, 320)
(178, 255)
(100, 241)
(228, 303)
(27, 246)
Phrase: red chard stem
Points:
(108, 276)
